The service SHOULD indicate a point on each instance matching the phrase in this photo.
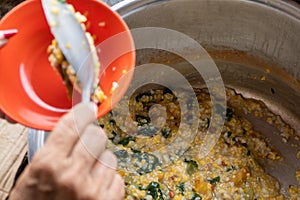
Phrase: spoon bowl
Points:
(31, 92)
(73, 42)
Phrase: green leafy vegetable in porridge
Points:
(229, 171)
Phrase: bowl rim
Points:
(60, 111)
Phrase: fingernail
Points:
(94, 108)
(9, 33)
(109, 160)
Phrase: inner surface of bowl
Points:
(256, 47)
(32, 93)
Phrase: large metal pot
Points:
(268, 29)
(266, 37)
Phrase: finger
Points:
(10, 120)
(6, 34)
(103, 171)
(3, 42)
(19, 191)
(108, 160)
(66, 133)
(1, 114)
(90, 146)
(117, 188)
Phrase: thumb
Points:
(3, 42)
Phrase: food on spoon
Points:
(59, 62)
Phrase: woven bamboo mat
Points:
(13, 147)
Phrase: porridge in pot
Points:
(230, 170)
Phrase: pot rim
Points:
(289, 7)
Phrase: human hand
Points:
(3, 116)
(67, 168)
(5, 35)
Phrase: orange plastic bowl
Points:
(31, 92)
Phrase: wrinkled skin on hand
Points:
(73, 164)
